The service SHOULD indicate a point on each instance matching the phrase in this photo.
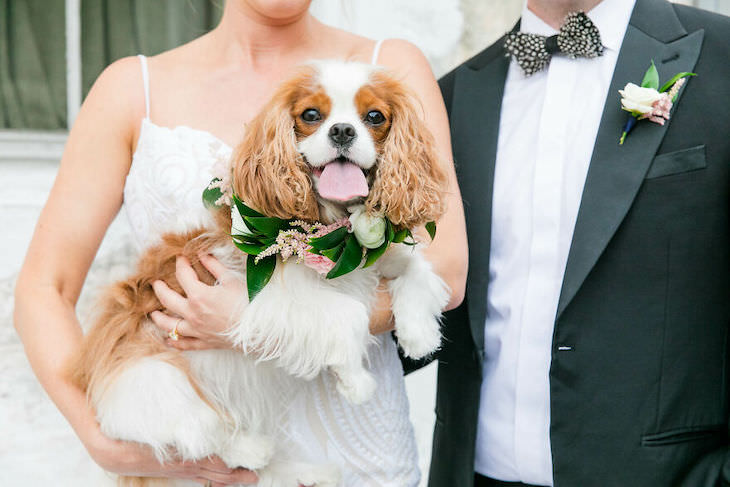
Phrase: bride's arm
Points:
(448, 252)
(85, 197)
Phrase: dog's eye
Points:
(311, 115)
(374, 117)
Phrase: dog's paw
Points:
(250, 451)
(357, 387)
(322, 476)
(419, 341)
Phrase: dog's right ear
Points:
(269, 173)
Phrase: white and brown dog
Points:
(335, 135)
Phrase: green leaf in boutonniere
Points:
(651, 78)
(669, 84)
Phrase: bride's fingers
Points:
(209, 483)
(237, 477)
(243, 476)
(214, 266)
(187, 343)
(214, 464)
(170, 299)
(169, 323)
(186, 275)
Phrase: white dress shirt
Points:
(547, 130)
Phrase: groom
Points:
(592, 347)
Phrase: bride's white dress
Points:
(373, 443)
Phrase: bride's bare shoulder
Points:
(118, 91)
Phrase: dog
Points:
(335, 136)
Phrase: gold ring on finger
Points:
(173, 334)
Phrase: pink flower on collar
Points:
(319, 263)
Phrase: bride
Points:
(147, 136)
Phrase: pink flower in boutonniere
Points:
(648, 101)
(663, 106)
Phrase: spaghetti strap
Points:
(146, 81)
(376, 51)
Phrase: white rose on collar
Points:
(638, 100)
(369, 230)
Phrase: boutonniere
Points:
(649, 101)
(332, 250)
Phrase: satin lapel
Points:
(475, 118)
(616, 172)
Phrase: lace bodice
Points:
(373, 443)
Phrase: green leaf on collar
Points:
(349, 260)
(400, 235)
(258, 275)
(249, 248)
(330, 240)
(374, 254)
(389, 231)
(211, 195)
(334, 253)
(431, 229)
(268, 226)
(245, 210)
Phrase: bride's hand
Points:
(205, 312)
(136, 460)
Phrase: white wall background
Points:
(37, 447)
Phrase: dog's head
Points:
(338, 134)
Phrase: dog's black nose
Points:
(342, 133)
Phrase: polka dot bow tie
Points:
(578, 37)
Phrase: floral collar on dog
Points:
(332, 250)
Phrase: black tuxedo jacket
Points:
(640, 398)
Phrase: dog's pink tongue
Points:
(342, 181)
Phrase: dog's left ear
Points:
(410, 180)
(269, 174)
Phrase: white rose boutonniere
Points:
(638, 100)
(369, 230)
(649, 101)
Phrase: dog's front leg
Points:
(306, 325)
(418, 296)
